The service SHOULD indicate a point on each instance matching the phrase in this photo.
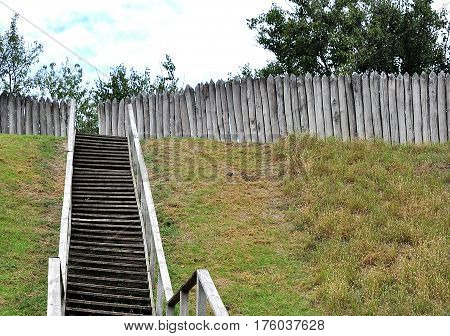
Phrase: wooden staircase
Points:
(111, 258)
(107, 270)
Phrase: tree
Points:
(123, 83)
(66, 82)
(16, 60)
(324, 36)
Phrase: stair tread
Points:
(109, 257)
(99, 312)
(113, 296)
(109, 304)
(105, 279)
(108, 232)
(118, 288)
(106, 270)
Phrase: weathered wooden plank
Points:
(51, 120)
(417, 109)
(4, 113)
(409, 120)
(139, 116)
(350, 107)
(172, 113)
(209, 126)
(367, 107)
(288, 104)
(35, 116)
(359, 113)
(447, 89)
(252, 111)
(442, 120)
(424, 107)
(244, 105)
(318, 106)
(28, 116)
(213, 110)
(64, 108)
(237, 103)
(343, 108)
(273, 108)
(219, 112)
(185, 126)
(335, 112)
(375, 104)
(310, 100)
(108, 115)
(432, 96)
(42, 117)
(159, 116)
(115, 116)
(19, 129)
(302, 105)
(326, 106)
(12, 115)
(393, 113)
(152, 114)
(266, 110)
(259, 112)
(280, 105)
(295, 102)
(101, 118)
(56, 117)
(121, 119)
(178, 122)
(190, 101)
(231, 113)
(203, 102)
(225, 112)
(384, 107)
(400, 92)
(166, 114)
(199, 113)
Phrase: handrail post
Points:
(201, 299)
(55, 289)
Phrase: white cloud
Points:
(206, 38)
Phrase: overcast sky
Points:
(207, 39)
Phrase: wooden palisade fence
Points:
(26, 115)
(398, 109)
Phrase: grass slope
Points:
(31, 183)
(308, 226)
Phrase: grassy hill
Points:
(308, 226)
(31, 188)
(300, 227)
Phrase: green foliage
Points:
(66, 82)
(324, 36)
(122, 83)
(16, 60)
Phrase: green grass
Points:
(31, 183)
(308, 226)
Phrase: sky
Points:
(207, 39)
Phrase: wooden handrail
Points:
(155, 256)
(206, 291)
(66, 214)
